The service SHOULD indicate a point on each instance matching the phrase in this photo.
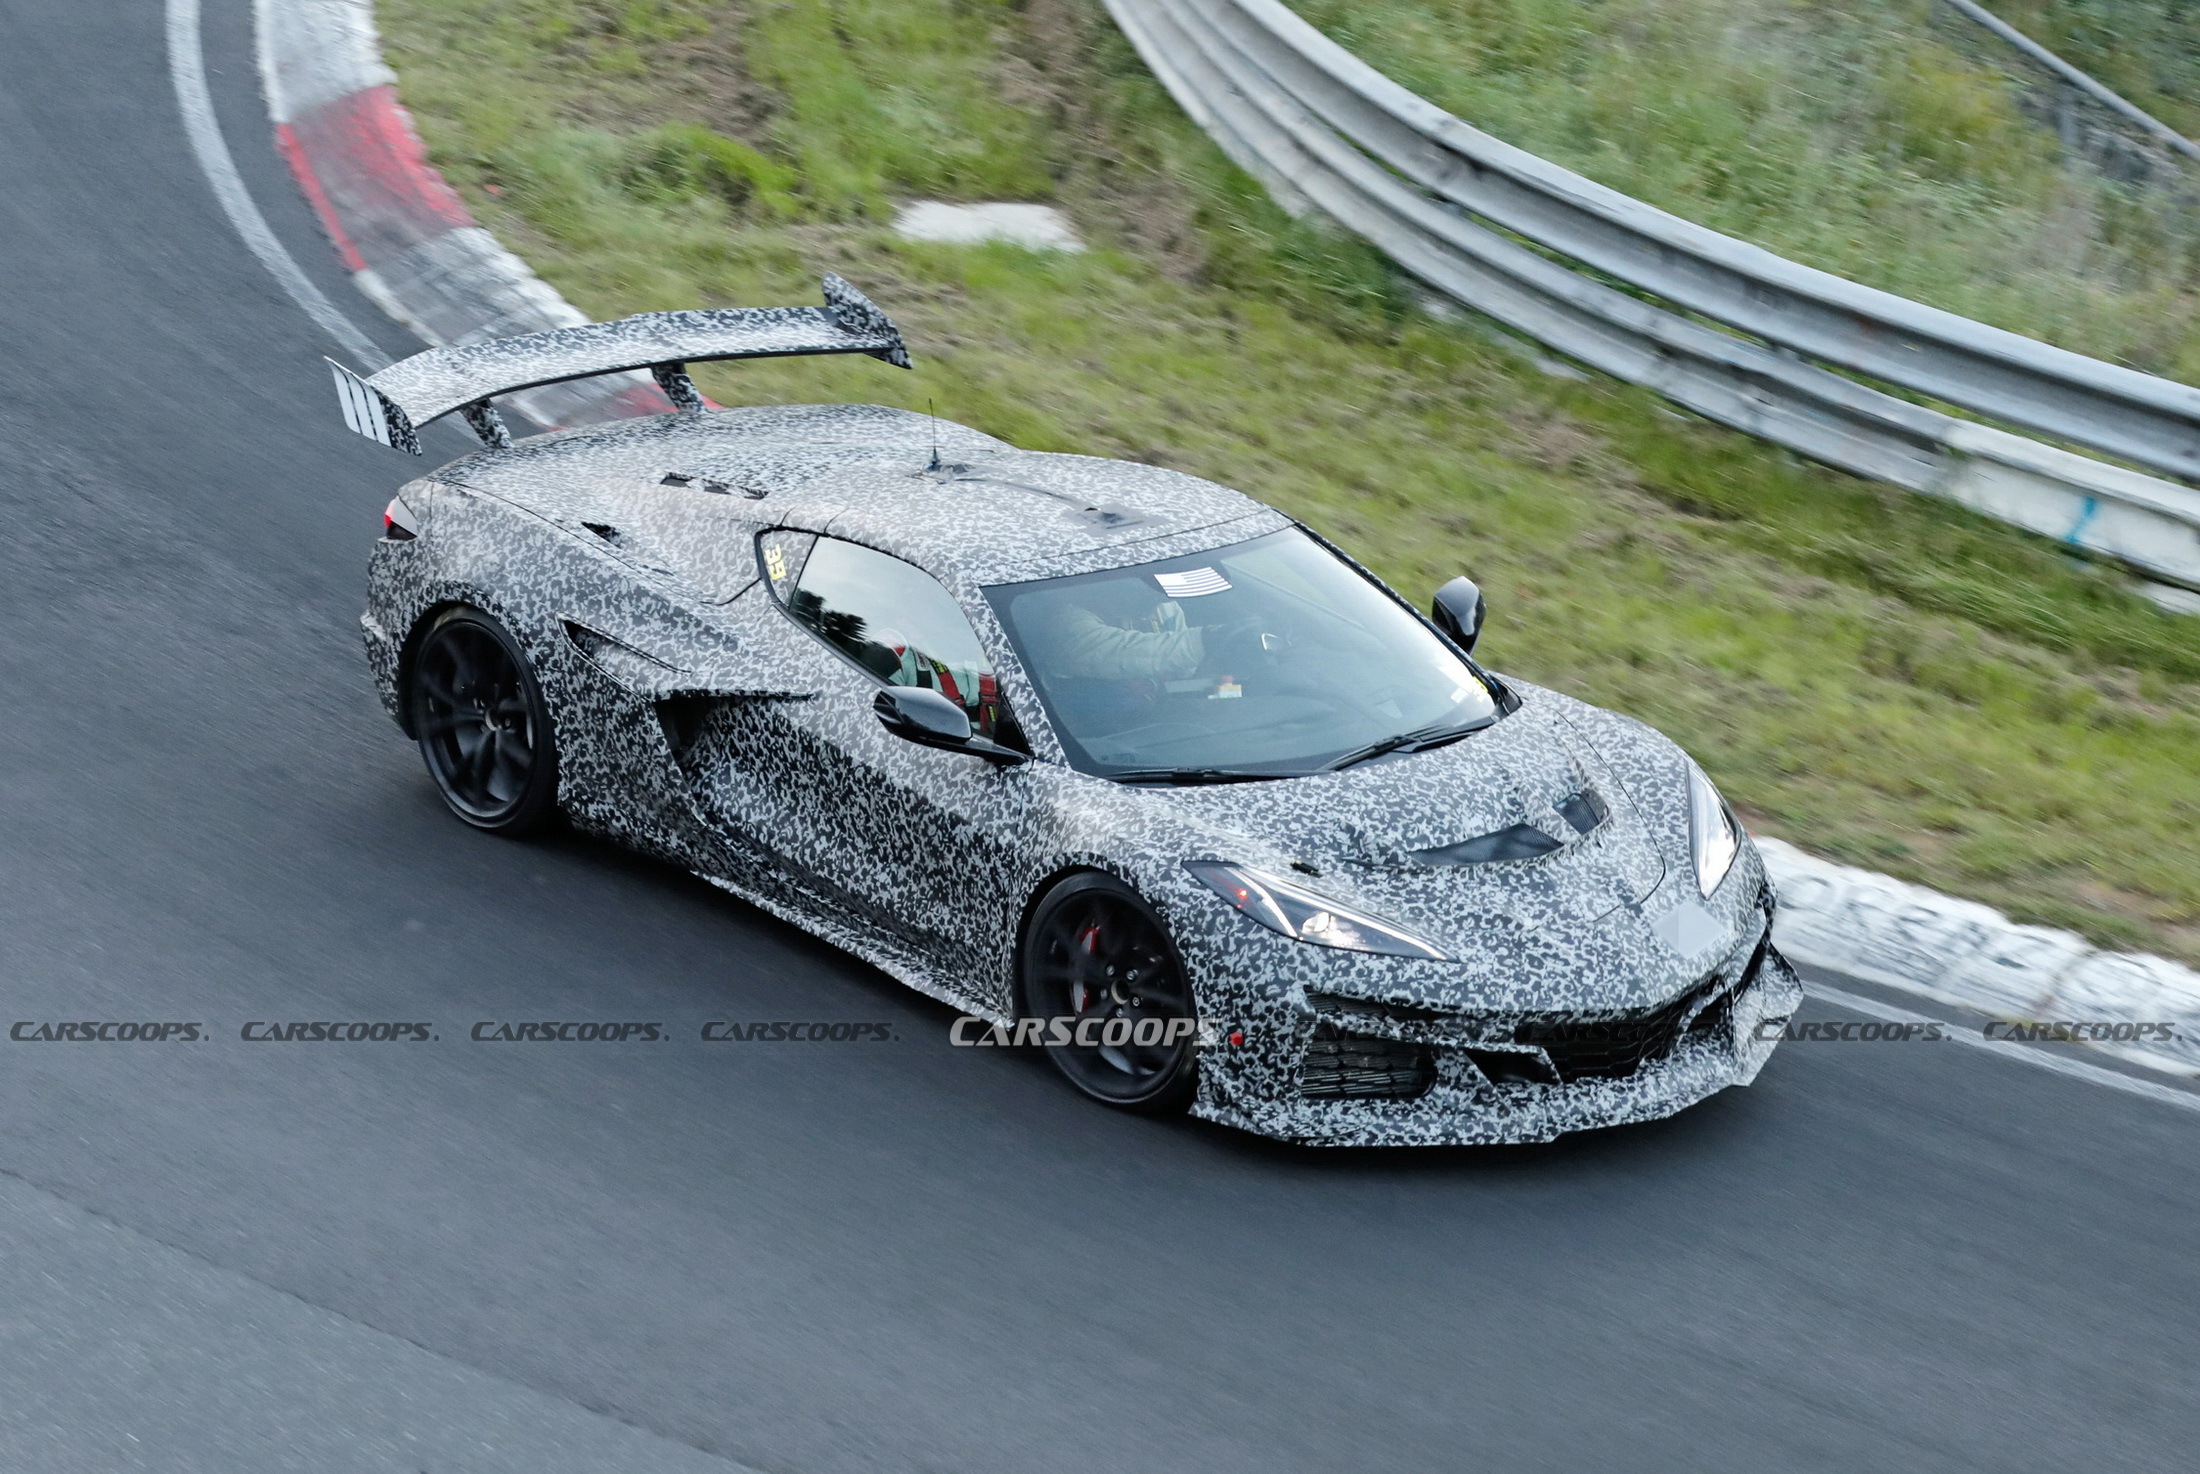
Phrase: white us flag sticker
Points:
(1191, 583)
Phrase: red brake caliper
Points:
(1089, 939)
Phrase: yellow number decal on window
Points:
(775, 564)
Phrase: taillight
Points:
(398, 522)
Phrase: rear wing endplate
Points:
(390, 406)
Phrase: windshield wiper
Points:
(1189, 776)
(1414, 741)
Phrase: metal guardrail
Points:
(1465, 213)
(2153, 129)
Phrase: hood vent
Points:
(1584, 811)
(1520, 842)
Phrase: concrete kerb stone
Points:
(1034, 227)
(1970, 956)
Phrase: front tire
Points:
(483, 726)
(1095, 952)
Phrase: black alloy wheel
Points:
(1097, 956)
(483, 725)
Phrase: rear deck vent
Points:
(705, 483)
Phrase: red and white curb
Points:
(415, 250)
(407, 239)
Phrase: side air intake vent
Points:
(683, 719)
(622, 662)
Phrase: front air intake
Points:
(1612, 1048)
(1341, 1066)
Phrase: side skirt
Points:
(902, 968)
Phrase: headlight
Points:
(1304, 916)
(1714, 839)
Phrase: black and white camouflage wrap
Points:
(394, 405)
(696, 721)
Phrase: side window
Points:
(893, 619)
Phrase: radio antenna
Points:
(931, 410)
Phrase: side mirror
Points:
(922, 716)
(1458, 612)
(925, 717)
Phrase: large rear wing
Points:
(391, 406)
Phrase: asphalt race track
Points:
(800, 1257)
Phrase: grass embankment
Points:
(1866, 138)
(1874, 675)
(2147, 50)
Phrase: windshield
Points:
(1272, 657)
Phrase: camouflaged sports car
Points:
(1123, 762)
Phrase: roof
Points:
(970, 508)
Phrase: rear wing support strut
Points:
(679, 388)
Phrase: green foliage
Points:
(685, 161)
(656, 20)
(1951, 121)
(1863, 138)
(887, 95)
(876, 98)
(1878, 676)
(1329, 277)
(2146, 50)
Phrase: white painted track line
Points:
(2043, 1058)
(187, 69)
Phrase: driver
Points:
(1162, 645)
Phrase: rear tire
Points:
(1094, 950)
(483, 726)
